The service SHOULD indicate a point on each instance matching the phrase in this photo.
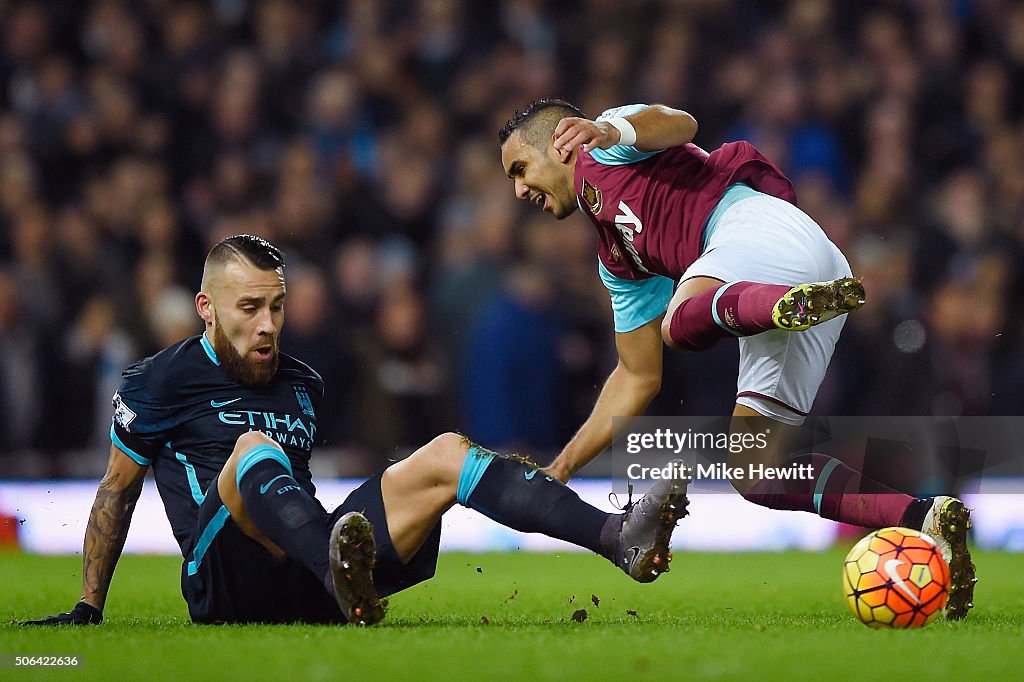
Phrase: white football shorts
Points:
(768, 240)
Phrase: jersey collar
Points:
(208, 347)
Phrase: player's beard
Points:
(244, 370)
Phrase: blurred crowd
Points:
(360, 136)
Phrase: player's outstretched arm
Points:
(654, 127)
(628, 391)
(104, 538)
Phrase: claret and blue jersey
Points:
(178, 412)
(654, 211)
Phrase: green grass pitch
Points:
(509, 616)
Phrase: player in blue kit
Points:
(228, 424)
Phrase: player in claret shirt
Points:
(228, 424)
(695, 247)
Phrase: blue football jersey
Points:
(178, 412)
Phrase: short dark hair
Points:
(245, 247)
(538, 120)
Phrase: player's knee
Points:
(443, 456)
(666, 327)
(666, 330)
(450, 442)
(741, 461)
(746, 461)
(450, 451)
(743, 487)
(251, 439)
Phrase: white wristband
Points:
(627, 133)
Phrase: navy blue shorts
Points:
(227, 577)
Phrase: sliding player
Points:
(228, 424)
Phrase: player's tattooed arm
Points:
(656, 127)
(108, 525)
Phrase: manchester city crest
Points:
(592, 196)
(302, 397)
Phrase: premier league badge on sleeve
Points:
(123, 415)
(302, 396)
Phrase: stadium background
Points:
(360, 136)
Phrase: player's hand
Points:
(570, 133)
(82, 614)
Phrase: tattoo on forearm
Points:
(105, 535)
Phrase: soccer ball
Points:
(896, 578)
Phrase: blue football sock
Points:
(521, 497)
(283, 511)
